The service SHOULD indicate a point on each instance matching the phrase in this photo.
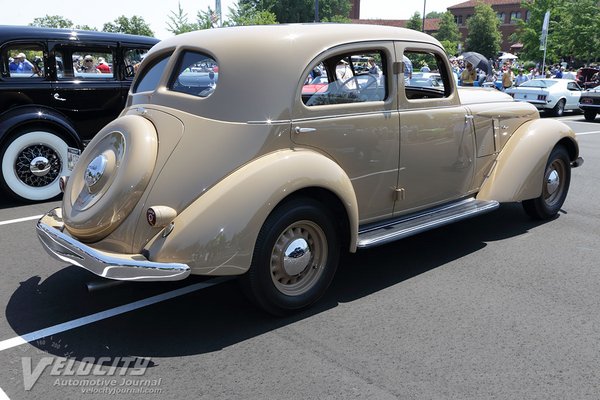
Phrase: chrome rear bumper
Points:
(125, 267)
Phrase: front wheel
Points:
(32, 164)
(555, 186)
(589, 115)
(295, 258)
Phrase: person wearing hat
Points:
(103, 66)
(468, 75)
(20, 64)
(88, 65)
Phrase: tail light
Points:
(542, 97)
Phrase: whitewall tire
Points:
(32, 164)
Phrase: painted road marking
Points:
(76, 323)
(3, 396)
(14, 221)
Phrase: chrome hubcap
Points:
(95, 171)
(298, 258)
(552, 182)
(38, 165)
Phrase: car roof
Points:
(10, 32)
(254, 59)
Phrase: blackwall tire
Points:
(589, 115)
(559, 108)
(295, 258)
(555, 186)
(32, 164)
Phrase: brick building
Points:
(508, 12)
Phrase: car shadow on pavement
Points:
(210, 319)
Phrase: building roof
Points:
(431, 24)
(473, 3)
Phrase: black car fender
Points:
(20, 117)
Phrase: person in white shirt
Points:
(520, 78)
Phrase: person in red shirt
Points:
(103, 66)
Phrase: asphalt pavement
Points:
(496, 307)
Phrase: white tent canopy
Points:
(508, 56)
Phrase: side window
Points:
(84, 63)
(425, 75)
(196, 74)
(356, 77)
(25, 61)
(150, 75)
(133, 59)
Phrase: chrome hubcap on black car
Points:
(38, 165)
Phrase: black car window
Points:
(84, 63)
(348, 78)
(196, 74)
(132, 59)
(150, 75)
(24, 61)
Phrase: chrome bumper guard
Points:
(124, 267)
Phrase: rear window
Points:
(197, 74)
(151, 76)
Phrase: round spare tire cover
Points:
(110, 177)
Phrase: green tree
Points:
(179, 22)
(338, 19)
(207, 19)
(448, 33)
(484, 36)
(434, 14)
(52, 21)
(415, 22)
(579, 30)
(238, 17)
(529, 32)
(288, 11)
(134, 26)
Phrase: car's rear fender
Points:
(216, 234)
(518, 171)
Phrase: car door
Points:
(436, 134)
(89, 97)
(353, 119)
(573, 95)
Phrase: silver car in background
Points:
(554, 95)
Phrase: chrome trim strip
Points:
(126, 267)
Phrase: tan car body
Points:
(219, 166)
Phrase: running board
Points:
(421, 222)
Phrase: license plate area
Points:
(72, 157)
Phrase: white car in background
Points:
(554, 95)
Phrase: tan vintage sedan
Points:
(220, 165)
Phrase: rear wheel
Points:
(32, 164)
(559, 108)
(295, 258)
(555, 186)
(589, 115)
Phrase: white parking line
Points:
(3, 396)
(587, 133)
(76, 323)
(14, 221)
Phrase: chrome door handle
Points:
(467, 118)
(305, 130)
(57, 97)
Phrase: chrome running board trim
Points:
(424, 221)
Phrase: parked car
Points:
(255, 179)
(553, 95)
(589, 102)
(66, 86)
(588, 77)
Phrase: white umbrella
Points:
(508, 56)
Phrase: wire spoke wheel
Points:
(38, 165)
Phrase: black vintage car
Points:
(589, 102)
(58, 87)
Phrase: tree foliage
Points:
(484, 36)
(448, 33)
(415, 22)
(134, 26)
(573, 32)
(52, 21)
(178, 22)
(289, 11)
(246, 15)
(434, 14)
